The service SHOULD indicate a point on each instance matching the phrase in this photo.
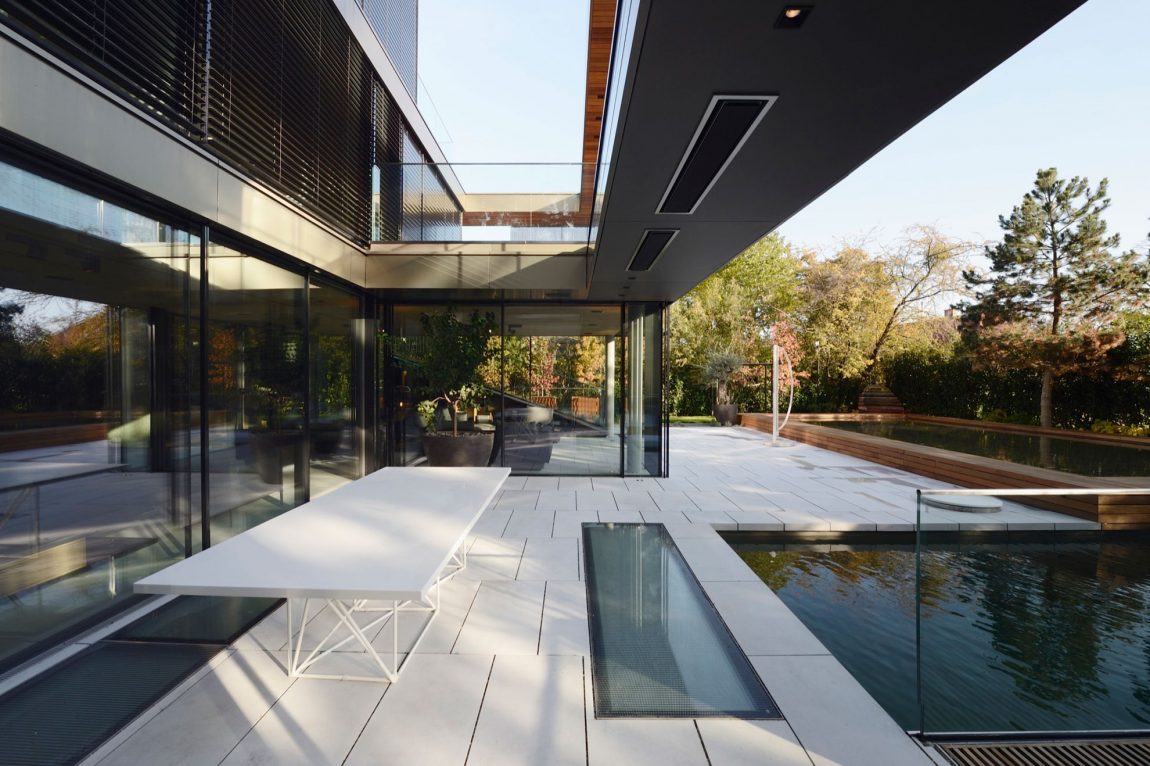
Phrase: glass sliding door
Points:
(335, 317)
(257, 386)
(561, 409)
(569, 389)
(98, 379)
(644, 427)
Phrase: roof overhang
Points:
(853, 78)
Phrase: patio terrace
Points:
(503, 675)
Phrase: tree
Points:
(731, 310)
(846, 301)
(922, 270)
(1055, 285)
(718, 369)
(455, 351)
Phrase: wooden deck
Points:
(977, 472)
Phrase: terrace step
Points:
(879, 399)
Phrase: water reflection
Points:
(1032, 637)
(1070, 455)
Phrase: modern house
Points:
(221, 222)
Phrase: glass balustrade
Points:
(473, 202)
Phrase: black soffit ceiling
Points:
(853, 78)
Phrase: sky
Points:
(1077, 98)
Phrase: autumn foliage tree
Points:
(1055, 285)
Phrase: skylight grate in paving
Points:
(198, 620)
(658, 647)
(64, 714)
(68, 711)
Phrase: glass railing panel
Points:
(474, 202)
(1032, 616)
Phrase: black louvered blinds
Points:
(290, 99)
(278, 88)
(148, 51)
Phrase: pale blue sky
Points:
(506, 78)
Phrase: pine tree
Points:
(1055, 285)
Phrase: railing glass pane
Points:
(510, 202)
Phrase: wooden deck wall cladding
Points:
(972, 471)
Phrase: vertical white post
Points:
(774, 393)
(610, 387)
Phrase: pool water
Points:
(1069, 455)
(1015, 636)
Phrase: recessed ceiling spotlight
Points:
(793, 16)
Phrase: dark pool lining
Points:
(927, 430)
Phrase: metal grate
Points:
(199, 620)
(64, 714)
(1095, 753)
(68, 711)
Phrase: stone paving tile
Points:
(570, 524)
(532, 713)
(556, 500)
(731, 742)
(591, 500)
(542, 483)
(564, 628)
(673, 500)
(635, 500)
(530, 523)
(621, 517)
(813, 691)
(493, 559)
(714, 519)
(499, 641)
(756, 521)
(504, 619)
(517, 500)
(550, 559)
(428, 718)
(712, 501)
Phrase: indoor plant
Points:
(454, 350)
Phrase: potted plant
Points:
(454, 351)
(718, 370)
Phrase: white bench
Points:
(391, 537)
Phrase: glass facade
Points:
(99, 456)
(161, 389)
(256, 392)
(569, 389)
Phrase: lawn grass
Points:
(698, 419)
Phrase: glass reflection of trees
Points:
(1066, 624)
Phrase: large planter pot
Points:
(726, 414)
(275, 449)
(466, 449)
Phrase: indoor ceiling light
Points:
(726, 125)
(792, 16)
